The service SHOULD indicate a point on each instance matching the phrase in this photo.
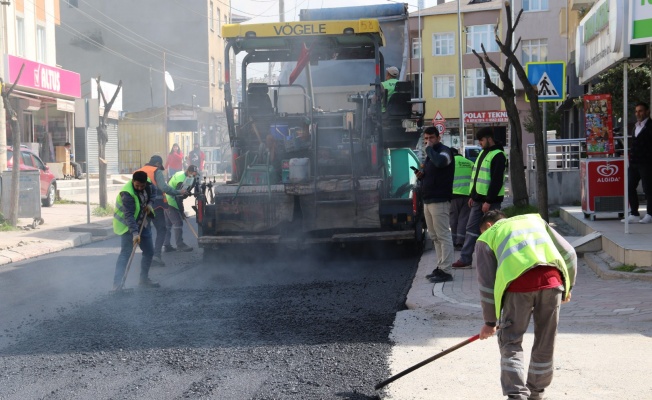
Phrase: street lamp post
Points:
(461, 74)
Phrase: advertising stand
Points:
(602, 175)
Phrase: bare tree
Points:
(15, 132)
(103, 138)
(508, 95)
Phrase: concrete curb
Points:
(599, 263)
(44, 246)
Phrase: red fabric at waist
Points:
(537, 278)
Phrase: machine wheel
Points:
(586, 215)
(48, 201)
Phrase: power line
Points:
(154, 46)
(75, 32)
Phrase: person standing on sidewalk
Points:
(197, 157)
(132, 205)
(154, 170)
(174, 162)
(640, 164)
(437, 190)
(487, 190)
(525, 269)
(175, 214)
(460, 209)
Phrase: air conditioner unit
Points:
(30, 104)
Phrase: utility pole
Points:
(281, 18)
(3, 119)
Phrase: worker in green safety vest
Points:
(524, 268)
(175, 214)
(132, 205)
(487, 190)
(388, 86)
(460, 210)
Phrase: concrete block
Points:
(590, 243)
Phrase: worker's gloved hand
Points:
(136, 239)
(150, 211)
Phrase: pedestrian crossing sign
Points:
(549, 79)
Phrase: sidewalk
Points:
(64, 226)
(603, 331)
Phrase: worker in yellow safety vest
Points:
(175, 214)
(132, 205)
(524, 268)
(460, 210)
(487, 190)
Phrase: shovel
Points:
(120, 288)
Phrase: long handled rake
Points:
(424, 362)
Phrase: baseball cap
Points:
(156, 160)
(392, 71)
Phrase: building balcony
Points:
(577, 5)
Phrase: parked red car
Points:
(30, 162)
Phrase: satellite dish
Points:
(168, 81)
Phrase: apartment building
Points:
(137, 42)
(441, 49)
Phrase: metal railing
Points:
(563, 154)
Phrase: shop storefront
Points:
(497, 119)
(43, 100)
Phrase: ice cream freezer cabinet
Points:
(603, 186)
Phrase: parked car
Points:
(472, 152)
(29, 161)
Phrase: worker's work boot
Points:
(148, 283)
(168, 248)
(157, 261)
(183, 247)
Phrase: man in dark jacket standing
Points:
(437, 190)
(487, 190)
(640, 164)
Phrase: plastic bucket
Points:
(299, 169)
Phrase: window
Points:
(477, 35)
(27, 158)
(534, 50)
(416, 47)
(443, 86)
(219, 32)
(41, 44)
(212, 70)
(211, 20)
(219, 74)
(443, 44)
(535, 5)
(20, 37)
(474, 82)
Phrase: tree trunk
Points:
(517, 180)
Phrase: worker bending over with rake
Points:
(525, 269)
(132, 206)
(175, 214)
